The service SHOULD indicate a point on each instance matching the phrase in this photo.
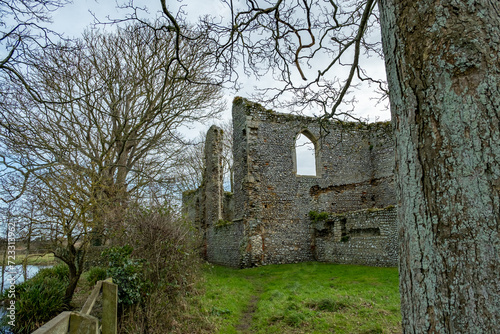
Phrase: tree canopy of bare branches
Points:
(23, 30)
(109, 127)
(312, 49)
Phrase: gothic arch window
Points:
(305, 154)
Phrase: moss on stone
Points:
(351, 125)
(222, 223)
(374, 209)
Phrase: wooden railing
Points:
(82, 322)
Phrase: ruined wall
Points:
(354, 172)
(223, 244)
(267, 219)
(212, 194)
(212, 209)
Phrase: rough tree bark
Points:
(443, 69)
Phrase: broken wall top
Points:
(352, 159)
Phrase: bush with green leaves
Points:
(95, 274)
(126, 273)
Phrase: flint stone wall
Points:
(271, 203)
(366, 237)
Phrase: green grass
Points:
(302, 298)
(36, 259)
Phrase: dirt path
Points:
(246, 319)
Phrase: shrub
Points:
(39, 302)
(166, 244)
(317, 217)
(94, 257)
(96, 274)
(126, 273)
(169, 262)
(59, 272)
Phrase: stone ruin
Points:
(344, 214)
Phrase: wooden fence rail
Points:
(82, 322)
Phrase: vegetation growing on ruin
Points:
(223, 222)
(345, 238)
(375, 209)
(317, 217)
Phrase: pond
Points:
(31, 271)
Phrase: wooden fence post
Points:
(82, 322)
(109, 307)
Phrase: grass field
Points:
(36, 259)
(302, 298)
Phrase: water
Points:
(31, 270)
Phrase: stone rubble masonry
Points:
(267, 220)
(359, 237)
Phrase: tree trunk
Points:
(4, 261)
(443, 69)
(28, 249)
(75, 260)
(74, 276)
(75, 265)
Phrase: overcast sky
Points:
(74, 18)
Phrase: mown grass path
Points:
(303, 298)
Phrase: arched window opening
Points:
(305, 155)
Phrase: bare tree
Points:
(110, 129)
(23, 30)
(191, 169)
